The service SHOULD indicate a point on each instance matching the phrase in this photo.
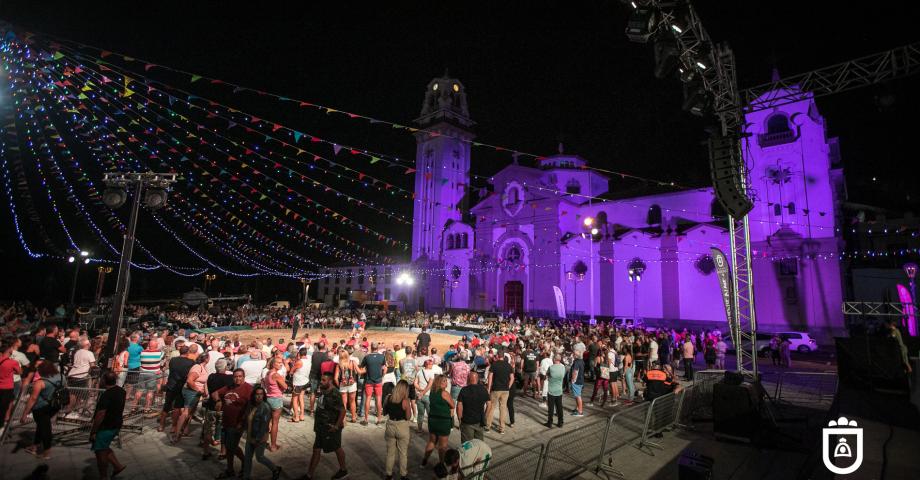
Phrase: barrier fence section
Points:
(71, 424)
(807, 389)
(524, 465)
(572, 452)
(663, 414)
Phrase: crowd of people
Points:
(243, 390)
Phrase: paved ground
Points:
(150, 455)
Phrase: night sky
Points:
(536, 73)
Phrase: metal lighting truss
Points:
(714, 66)
(861, 72)
(884, 309)
(720, 80)
(149, 179)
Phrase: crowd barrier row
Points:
(71, 425)
(591, 447)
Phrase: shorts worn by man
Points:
(107, 421)
(328, 424)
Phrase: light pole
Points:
(450, 298)
(100, 281)
(575, 278)
(208, 278)
(76, 257)
(306, 290)
(592, 231)
(404, 279)
(635, 270)
(911, 270)
(115, 195)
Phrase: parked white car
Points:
(279, 304)
(799, 341)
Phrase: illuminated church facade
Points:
(649, 257)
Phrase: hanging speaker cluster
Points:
(725, 163)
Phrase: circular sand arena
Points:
(441, 341)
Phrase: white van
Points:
(278, 304)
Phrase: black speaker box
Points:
(736, 411)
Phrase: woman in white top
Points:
(301, 378)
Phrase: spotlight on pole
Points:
(155, 198)
(71, 259)
(697, 100)
(84, 253)
(114, 197)
(642, 24)
(666, 56)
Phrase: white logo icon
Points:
(841, 451)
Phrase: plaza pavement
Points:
(150, 455)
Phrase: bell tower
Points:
(442, 164)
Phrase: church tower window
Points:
(778, 124)
(573, 187)
(654, 215)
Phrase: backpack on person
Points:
(60, 397)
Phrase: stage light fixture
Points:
(666, 57)
(114, 197)
(155, 198)
(697, 100)
(642, 24)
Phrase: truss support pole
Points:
(744, 323)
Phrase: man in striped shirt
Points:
(151, 370)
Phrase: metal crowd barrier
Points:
(662, 415)
(69, 425)
(524, 465)
(572, 452)
(806, 389)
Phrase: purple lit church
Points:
(649, 257)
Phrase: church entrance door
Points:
(514, 298)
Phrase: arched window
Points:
(464, 240)
(777, 124)
(791, 208)
(450, 242)
(513, 197)
(654, 215)
(513, 255)
(573, 187)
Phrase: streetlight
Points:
(592, 232)
(575, 278)
(306, 290)
(208, 278)
(404, 279)
(74, 258)
(100, 281)
(635, 270)
(453, 285)
(911, 270)
(114, 196)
